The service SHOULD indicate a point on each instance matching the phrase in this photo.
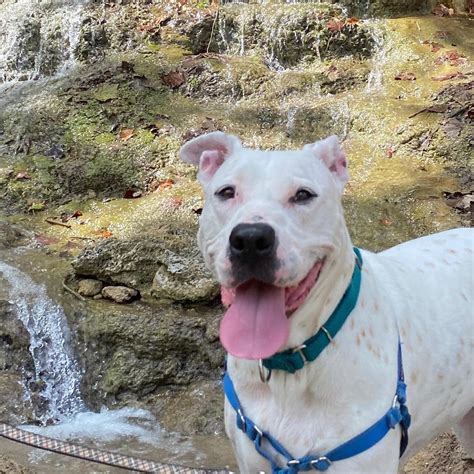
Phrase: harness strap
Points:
(292, 360)
(397, 414)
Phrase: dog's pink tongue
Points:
(255, 326)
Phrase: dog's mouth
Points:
(256, 323)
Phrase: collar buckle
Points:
(299, 349)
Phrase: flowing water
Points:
(38, 38)
(56, 371)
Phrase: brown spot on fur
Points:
(403, 332)
(413, 377)
(376, 306)
(362, 333)
(352, 324)
(358, 340)
(371, 333)
(362, 303)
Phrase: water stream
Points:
(38, 38)
(57, 373)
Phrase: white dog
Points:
(273, 233)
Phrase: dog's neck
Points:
(327, 292)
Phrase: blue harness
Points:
(396, 415)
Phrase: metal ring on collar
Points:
(293, 462)
(300, 350)
(264, 377)
(242, 420)
(321, 464)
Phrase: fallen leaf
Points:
(37, 206)
(173, 79)
(165, 184)
(175, 202)
(45, 240)
(452, 127)
(390, 151)
(126, 133)
(449, 76)
(22, 176)
(104, 233)
(405, 76)
(352, 20)
(434, 47)
(435, 108)
(452, 57)
(442, 10)
(335, 25)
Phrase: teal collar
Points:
(292, 360)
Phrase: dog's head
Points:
(267, 226)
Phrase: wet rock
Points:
(9, 234)
(152, 355)
(119, 294)
(15, 362)
(10, 466)
(90, 287)
(286, 36)
(150, 266)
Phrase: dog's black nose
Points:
(251, 242)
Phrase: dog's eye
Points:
(227, 192)
(302, 196)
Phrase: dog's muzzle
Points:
(252, 249)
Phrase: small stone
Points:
(119, 294)
(98, 297)
(90, 287)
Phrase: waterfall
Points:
(57, 373)
(379, 59)
(38, 38)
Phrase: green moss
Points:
(105, 92)
(105, 138)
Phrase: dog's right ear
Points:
(209, 152)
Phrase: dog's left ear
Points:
(209, 152)
(330, 152)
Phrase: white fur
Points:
(424, 287)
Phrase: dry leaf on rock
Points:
(452, 127)
(442, 10)
(449, 76)
(405, 76)
(173, 79)
(126, 133)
